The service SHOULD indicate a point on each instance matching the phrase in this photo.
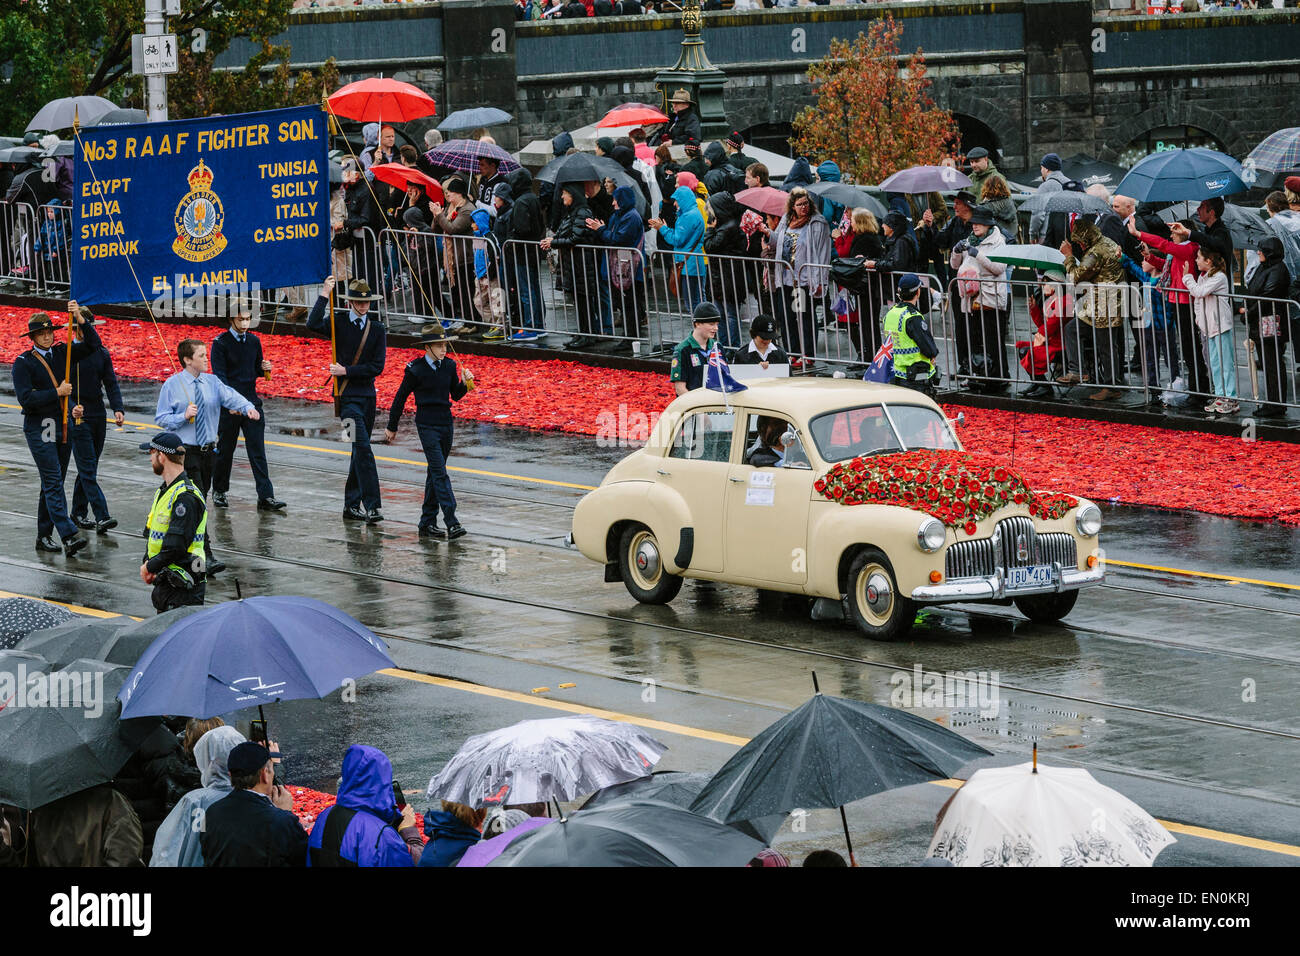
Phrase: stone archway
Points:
(1186, 114)
(981, 113)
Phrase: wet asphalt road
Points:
(1176, 690)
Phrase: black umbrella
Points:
(587, 168)
(20, 616)
(123, 117)
(1089, 171)
(849, 195)
(97, 639)
(829, 752)
(636, 833)
(49, 751)
(1066, 201)
(153, 627)
(680, 789)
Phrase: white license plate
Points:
(1038, 576)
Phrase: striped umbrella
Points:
(1279, 151)
(464, 154)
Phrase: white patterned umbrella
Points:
(559, 758)
(1057, 816)
(19, 616)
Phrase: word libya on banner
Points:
(206, 205)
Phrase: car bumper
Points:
(994, 588)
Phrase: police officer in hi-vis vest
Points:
(914, 346)
(177, 527)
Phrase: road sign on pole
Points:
(154, 55)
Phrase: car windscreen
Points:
(868, 430)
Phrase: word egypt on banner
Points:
(219, 190)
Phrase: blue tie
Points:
(200, 419)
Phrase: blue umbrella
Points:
(248, 653)
(474, 118)
(1178, 175)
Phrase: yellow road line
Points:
(683, 730)
(661, 725)
(74, 608)
(568, 484)
(1203, 574)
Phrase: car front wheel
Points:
(1047, 608)
(879, 611)
(641, 564)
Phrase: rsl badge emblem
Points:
(199, 218)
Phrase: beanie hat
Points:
(1051, 162)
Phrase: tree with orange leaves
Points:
(874, 115)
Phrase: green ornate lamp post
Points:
(694, 73)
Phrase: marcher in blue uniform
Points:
(238, 362)
(435, 383)
(90, 378)
(362, 350)
(40, 389)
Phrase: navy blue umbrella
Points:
(248, 653)
(1175, 175)
(474, 118)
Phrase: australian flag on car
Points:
(881, 369)
(717, 375)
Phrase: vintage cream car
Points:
(690, 505)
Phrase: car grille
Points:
(968, 559)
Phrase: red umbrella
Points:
(632, 114)
(378, 100)
(395, 174)
(766, 199)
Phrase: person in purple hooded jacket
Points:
(365, 826)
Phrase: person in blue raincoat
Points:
(686, 236)
(625, 268)
(375, 832)
(451, 831)
(829, 172)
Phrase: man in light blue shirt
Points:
(190, 405)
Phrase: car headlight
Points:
(1088, 520)
(931, 535)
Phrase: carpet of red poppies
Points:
(1109, 462)
(308, 804)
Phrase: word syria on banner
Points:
(220, 203)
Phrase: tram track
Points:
(804, 652)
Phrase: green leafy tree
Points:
(874, 114)
(52, 48)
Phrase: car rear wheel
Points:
(642, 567)
(879, 611)
(1047, 608)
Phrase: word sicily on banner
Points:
(206, 204)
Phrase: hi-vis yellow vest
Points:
(160, 519)
(906, 351)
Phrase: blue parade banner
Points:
(189, 207)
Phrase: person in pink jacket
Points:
(1212, 309)
(1180, 304)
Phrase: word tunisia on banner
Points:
(201, 207)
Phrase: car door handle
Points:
(666, 474)
(739, 481)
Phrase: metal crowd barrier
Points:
(1131, 339)
(17, 267)
(834, 325)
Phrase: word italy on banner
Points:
(200, 207)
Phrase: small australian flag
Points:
(881, 369)
(718, 374)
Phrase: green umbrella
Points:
(1043, 258)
